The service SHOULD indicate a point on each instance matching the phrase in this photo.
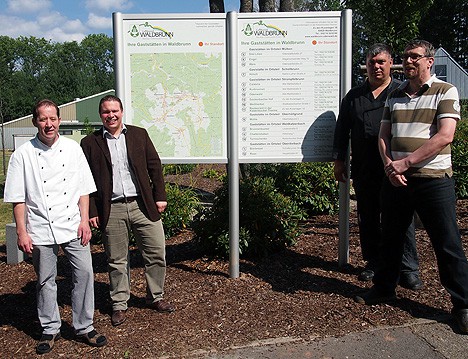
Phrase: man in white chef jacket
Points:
(49, 182)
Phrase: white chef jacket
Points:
(50, 181)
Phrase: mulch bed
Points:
(300, 293)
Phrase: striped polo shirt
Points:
(414, 121)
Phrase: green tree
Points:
(318, 5)
(7, 69)
(216, 6)
(98, 52)
(32, 68)
(31, 59)
(246, 6)
(267, 5)
(446, 25)
(64, 79)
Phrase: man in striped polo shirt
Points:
(417, 128)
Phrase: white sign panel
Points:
(175, 84)
(288, 87)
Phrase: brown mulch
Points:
(300, 293)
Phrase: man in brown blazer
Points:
(130, 196)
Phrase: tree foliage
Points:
(33, 68)
(446, 25)
(216, 5)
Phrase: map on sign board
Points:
(176, 97)
(172, 79)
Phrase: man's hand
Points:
(396, 167)
(94, 222)
(84, 232)
(397, 180)
(394, 171)
(24, 239)
(340, 171)
(161, 205)
(25, 243)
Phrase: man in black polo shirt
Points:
(359, 118)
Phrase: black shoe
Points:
(461, 316)
(411, 281)
(366, 275)
(374, 296)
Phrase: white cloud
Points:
(99, 22)
(14, 26)
(74, 26)
(59, 35)
(108, 5)
(28, 6)
(50, 18)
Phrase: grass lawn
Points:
(6, 212)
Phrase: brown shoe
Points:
(93, 339)
(118, 317)
(162, 307)
(46, 343)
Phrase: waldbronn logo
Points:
(150, 31)
(260, 29)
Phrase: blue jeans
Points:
(435, 202)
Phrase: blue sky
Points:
(72, 20)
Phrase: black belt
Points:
(125, 199)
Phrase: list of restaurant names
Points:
(288, 88)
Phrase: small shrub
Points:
(268, 220)
(213, 174)
(311, 185)
(174, 169)
(182, 205)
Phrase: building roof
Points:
(72, 113)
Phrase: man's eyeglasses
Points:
(413, 57)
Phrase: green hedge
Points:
(460, 158)
(268, 219)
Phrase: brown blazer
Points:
(144, 161)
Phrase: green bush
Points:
(460, 158)
(182, 205)
(310, 185)
(173, 169)
(213, 174)
(268, 220)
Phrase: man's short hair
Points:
(378, 48)
(426, 45)
(41, 103)
(110, 98)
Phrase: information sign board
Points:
(174, 83)
(288, 86)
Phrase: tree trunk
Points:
(286, 6)
(246, 6)
(266, 5)
(216, 5)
